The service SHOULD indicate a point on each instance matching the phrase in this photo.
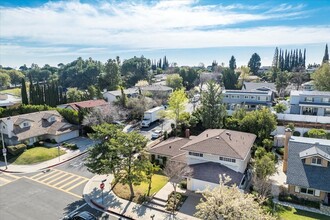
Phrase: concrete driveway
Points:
(189, 206)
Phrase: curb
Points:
(54, 165)
(109, 211)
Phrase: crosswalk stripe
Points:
(72, 174)
(55, 187)
(34, 177)
(51, 176)
(3, 179)
(68, 183)
(66, 179)
(11, 175)
(74, 186)
(57, 178)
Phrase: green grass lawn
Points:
(37, 155)
(15, 91)
(296, 214)
(158, 181)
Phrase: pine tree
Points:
(24, 96)
(275, 58)
(326, 55)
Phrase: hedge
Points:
(300, 201)
(70, 146)
(17, 149)
(296, 133)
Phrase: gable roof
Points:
(251, 86)
(314, 151)
(38, 125)
(86, 104)
(156, 87)
(126, 91)
(304, 175)
(170, 147)
(222, 142)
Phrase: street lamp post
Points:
(4, 150)
(58, 149)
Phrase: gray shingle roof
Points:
(210, 172)
(303, 175)
(251, 86)
(170, 147)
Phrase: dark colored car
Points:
(81, 216)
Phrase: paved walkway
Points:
(82, 142)
(114, 204)
(278, 179)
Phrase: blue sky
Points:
(187, 32)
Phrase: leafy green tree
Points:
(230, 78)
(260, 122)
(322, 77)
(232, 63)
(282, 81)
(189, 77)
(228, 202)
(213, 111)
(176, 105)
(24, 96)
(135, 69)
(110, 79)
(15, 76)
(74, 95)
(4, 79)
(326, 55)
(317, 133)
(174, 81)
(151, 169)
(254, 63)
(280, 108)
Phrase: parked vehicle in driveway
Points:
(151, 116)
(156, 134)
(81, 216)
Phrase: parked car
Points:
(156, 134)
(81, 216)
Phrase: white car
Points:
(156, 134)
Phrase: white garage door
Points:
(199, 185)
(68, 136)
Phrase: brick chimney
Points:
(288, 133)
(187, 133)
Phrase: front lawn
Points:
(37, 155)
(158, 181)
(14, 91)
(288, 213)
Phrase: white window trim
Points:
(316, 164)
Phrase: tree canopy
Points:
(230, 78)
(254, 63)
(322, 77)
(176, 105)
(326, 55)
(232, 63)
(174, 81)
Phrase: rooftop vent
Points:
(170, 147)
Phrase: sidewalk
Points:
(82, 142)
(113, 204)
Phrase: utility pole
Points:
(4, 150)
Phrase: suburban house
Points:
(158, 90)
(308, 86)
(307, 166)
(8, 100)
(264, 69)
(112, 96)
(259, 86)
(213, 152)
(37, 126)
(100, 103)
(250, 100)
(310, 103)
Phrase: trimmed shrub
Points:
(300, 201)
(183, 184)
(70, 146)
(306, 134)
(328, 136)
(280, 151)
(180, 198)
(296, 133)
(317, 133)
(53, 141)
(17, 149)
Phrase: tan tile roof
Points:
(222, 142)
(170, 147)
(38, 124)
(180, 158)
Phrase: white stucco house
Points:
(37, 126)
(213, 152)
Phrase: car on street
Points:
(84, 215)
(156, 134)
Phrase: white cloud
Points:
(139, 26)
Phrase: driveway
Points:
(189, 206)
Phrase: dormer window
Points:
(316, 161)
(51, 119)
(26, 124)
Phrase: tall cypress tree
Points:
(24, 96)
(304, 59)
(326, 55)
(275, 58)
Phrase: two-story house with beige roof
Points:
(213, 152)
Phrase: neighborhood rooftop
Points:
(170, 147)
(86, 104)
(304, 92)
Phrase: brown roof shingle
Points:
(228, 143)
(170, 147)
(87, 104)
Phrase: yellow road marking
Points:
(51, 176)
(39, 174)
(68, 183)
(44, 176)
(3, 179)
(9, 181)
(72, 174)
(54, 187)
(57, 178)
(66, 179)
(74, 186)
(11, 175)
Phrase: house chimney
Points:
(207, 135)
(288, 133)
(187, 133)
